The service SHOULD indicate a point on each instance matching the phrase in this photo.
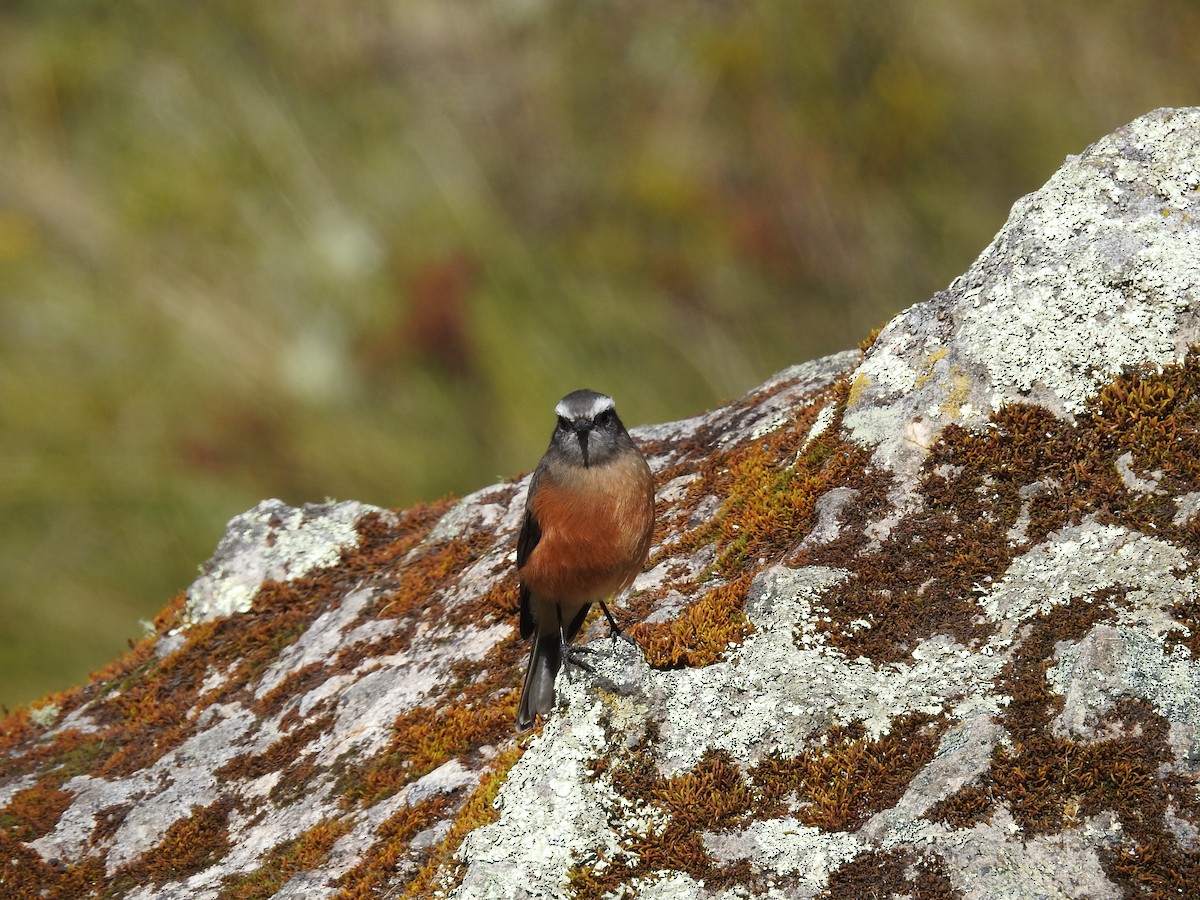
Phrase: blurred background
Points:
(357, 250)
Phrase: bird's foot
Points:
(573, 655)
(615, 630)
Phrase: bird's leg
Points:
(615, 629)
(571, 654)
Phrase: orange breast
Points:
(597, 524)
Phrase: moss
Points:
(891, 873)
(148, 706)
(297, 684)
(108, 821)
(968, 806)
(846, 779)
(1187, 613)
(1150, 413)
(715, 792)
(34, 811)
(769, 488)
(839, 783)
(921, 580)
(425, 738)
(417, 595)
(1050, 782)
(917, 580)
(25, 874)
(869, 341)
(285, 757)
(976, 485)
(391, 847)
(301, 854)
(441, 869)
(190, 844)
(702, 632)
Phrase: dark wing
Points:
(531, 533)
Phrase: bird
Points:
(586, 533)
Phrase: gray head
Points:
(589, 433)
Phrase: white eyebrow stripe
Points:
(600, 403)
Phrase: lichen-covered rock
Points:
(920, 621)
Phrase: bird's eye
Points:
(605, 418)
(564, 423)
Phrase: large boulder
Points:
(920, 620)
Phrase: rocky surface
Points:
(921, 621)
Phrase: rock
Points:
(923, 621)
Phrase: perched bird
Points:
(589, 519)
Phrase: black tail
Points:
(537, 697)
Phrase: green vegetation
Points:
(358, 249)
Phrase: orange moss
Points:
(891, 873)
(24, 875)
(1051, 782)
(500, 603)
(425, 738)
(702, 632)
(189, 845)
(294, 685)
(769, 487)
(69, 753)
(1187, 613)
(965, 808)
(845, 780)
(414, 597)
(301, 854)
(16, 729)
(869, 341)
(915, 582)
(441, 868)
(279, 756)
(146, 706)
(34, 811)
(837, 785)
(713, 795)
(379, 863)
(1153, 414)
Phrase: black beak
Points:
(582, 429)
